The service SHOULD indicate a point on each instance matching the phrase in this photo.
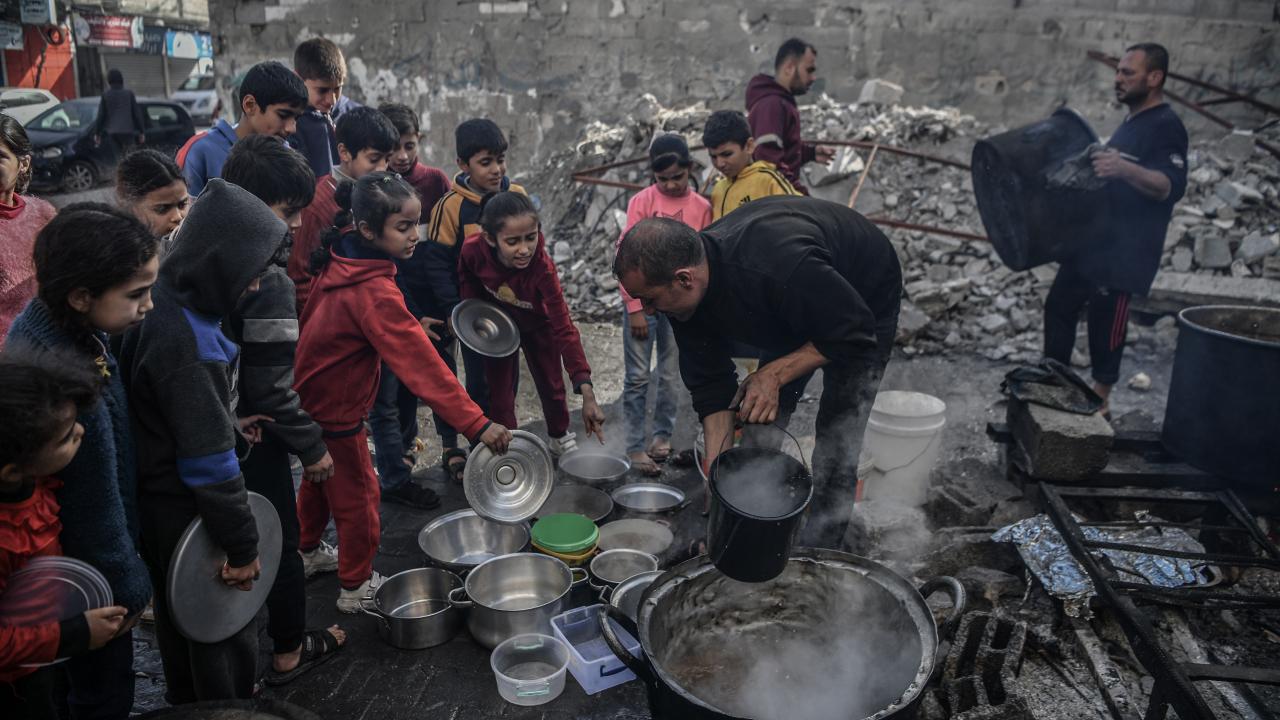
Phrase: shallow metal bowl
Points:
(461, 540)
(578, 499)
(635, 534)
(613, 566)
(649, 497)
(594, 466)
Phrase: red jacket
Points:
(316, 219)
(532, 297)
(28, 529)
(775, 124)
(355, 320)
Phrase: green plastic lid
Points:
(565, 533)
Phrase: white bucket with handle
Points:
(904, 434)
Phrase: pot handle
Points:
(535, 689)
(574, 574)
(379, 616)
(606, 592)
(462, 604)
(959, 599)
(637, 665)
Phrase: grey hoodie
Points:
(180, 369)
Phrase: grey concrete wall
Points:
(542, 68)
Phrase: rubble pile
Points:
(959, 295)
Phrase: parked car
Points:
(199, 95)
(66, 156)
(22, 104)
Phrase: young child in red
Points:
(507, 263)
(39, 401)
(355, 319)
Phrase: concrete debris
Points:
(1140, 382)
(1058, 445)
(881, 92)
(1257, 246)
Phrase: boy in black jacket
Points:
(179, 370)
(265, 326)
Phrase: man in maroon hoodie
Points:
(774, 117)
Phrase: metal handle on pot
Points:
(639, 666)
(575, 580)
(606, 592)
(959, 599)
(461, 604)
(386, 624)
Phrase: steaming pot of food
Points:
(835, 636)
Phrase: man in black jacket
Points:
(811, 283)
(119, 116)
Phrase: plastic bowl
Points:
(530, 669)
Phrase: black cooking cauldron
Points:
(835, 636)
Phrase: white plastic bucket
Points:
(904, 434)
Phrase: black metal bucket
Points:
(1028, 222)
(758, 499)
(1224, 399)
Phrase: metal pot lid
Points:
(614, 566)
(205, 609)
(595, 504)
(485, 328)
(509, 488)
(594, 466)
(565, 533)
(648, 497)
(643, 535)
(51, 589)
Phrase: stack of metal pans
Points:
(509, 488)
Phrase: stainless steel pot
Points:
(459, 541)
(613, 566)
(626, 596)
(835, 636)
(515, 594)
(590, 466)
(413, 609)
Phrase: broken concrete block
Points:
(968, 494)
(561, 252)
(1140, 382)
(1240, 270)
(1235, 194)
(1271, 267)
(993, 322)
(881, 92)
(1256, 246)
(954, 551)
(1181, 260)
(911, 320)
(990, 585)
(1058, 445)
(1236, 146)
(1212, 250)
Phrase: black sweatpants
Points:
(266, 472)
(1107, 318)
(477, 386)
(193, 671)
(102, 681)
(30, 697)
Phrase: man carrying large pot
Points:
(1145, 165)
(811, 283)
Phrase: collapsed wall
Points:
(544, 68)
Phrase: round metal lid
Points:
(205, 609)
(485, 328)
(509, 488)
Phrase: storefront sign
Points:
(188, 45)
(10, 36)
(37, 12)
(115, 31)
(152, 41)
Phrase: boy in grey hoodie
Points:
(179, 370)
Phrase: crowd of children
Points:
(260, 297)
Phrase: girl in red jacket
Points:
(39, 400)
(354, 320)
(507, 263)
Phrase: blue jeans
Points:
(635, 392)
(393, 424)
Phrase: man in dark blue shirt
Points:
(1145, 164)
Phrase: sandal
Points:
(454, 470)
(318, 648)
(660, 452)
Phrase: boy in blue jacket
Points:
(271, 99)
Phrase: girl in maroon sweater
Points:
(21, 219)
(507, 263)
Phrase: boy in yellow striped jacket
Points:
(727, 137)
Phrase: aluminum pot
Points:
(413, 609)
(613, 566)
(515, 594)
(626, 596)
(593, 466)
(835, 636)
(461, 540)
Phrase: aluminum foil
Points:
(1046, 555)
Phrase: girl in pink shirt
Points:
(671, 197)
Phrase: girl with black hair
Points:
(95, 266)
(150, 186)
(507, 263)
(21, 218)
(355, 319)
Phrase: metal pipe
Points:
(853, 196)
(892, 149)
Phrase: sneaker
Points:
(412, 495)
(323, 559)
(565, 444)
(351, 601)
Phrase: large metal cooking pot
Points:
(413, 609)
(1224, 398)
(834, 637)
(515, 594)
(460, 540)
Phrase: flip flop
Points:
(660, 455)
(454, 470)
(318, 648)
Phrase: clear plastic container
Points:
(530, 668)
(591, 662)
